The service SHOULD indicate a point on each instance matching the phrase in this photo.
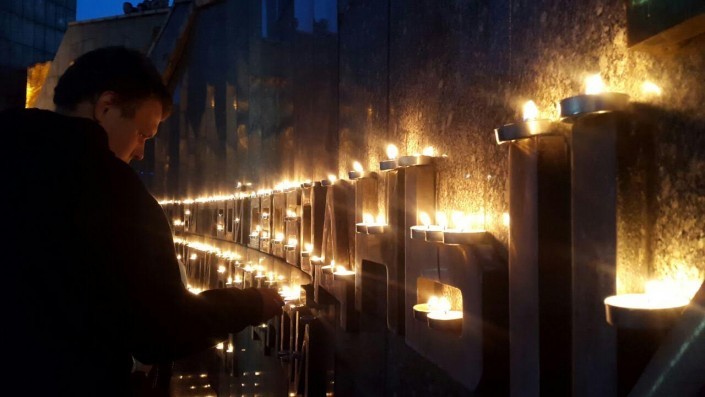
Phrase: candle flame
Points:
(505, 219)
(594, 84)
(530, 111)
(238, 279)
(308, 247)
(187, 212)
(358, 167)
(341, 269)
(650, 88)
(221, 269)
(424, 219)
(368, 219)
(293, 242)
(441, 219)
(429, 151)
(279, 237)
(458, 219)
(381, 220)
(193, 257)
(392, 152)
(476, 221)
(332, 178)
(436, 304)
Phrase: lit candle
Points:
(357, 171)
(595, 100)
(278, 238)
(466, 230)
(330, 181)
(342, 273)
(308, 248)
(434, 233)
(291, 215)
(449, 321)
(656, 308)
(291, 244)
(530, 126)
(419, 231)
(306, 183)
(391, 162)
(434, 303)
(426, 157)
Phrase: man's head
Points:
(122, 90)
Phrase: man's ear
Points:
(105, 102)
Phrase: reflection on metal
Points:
(677, 367)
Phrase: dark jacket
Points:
(90, 276)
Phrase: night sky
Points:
(89, 9)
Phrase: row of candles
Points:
(232, 278)
(660, 295)
(471, 229)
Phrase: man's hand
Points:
(271, 303)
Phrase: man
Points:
(90, 275)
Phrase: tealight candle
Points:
(595, 100)
(291, 215)
(357, 171)
(434, 303)
(530, 126)
(468, 230)
(657, 308)
(330, 181)
(342, 273)
(449, 321)
(426, 231)
(391, 162)
(308, 248)
(434, 233)
(291, 244)
(370, 226)
(278, 238)
(426, 157)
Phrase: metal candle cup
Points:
(581, 105)
(361, 228)
(418, 232)
(421, 311)
(641, 311)
(447, 321)
(522, 130)
(408, 161)
(388, 164)
(434, 234)
(466, 237)
(340, 274)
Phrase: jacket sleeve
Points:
(158, 317)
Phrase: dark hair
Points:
(127, 72)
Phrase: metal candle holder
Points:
(408, 161)
(581, 105)
(631, 311)
(469, 237)
(388, 164)
(522, 130)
